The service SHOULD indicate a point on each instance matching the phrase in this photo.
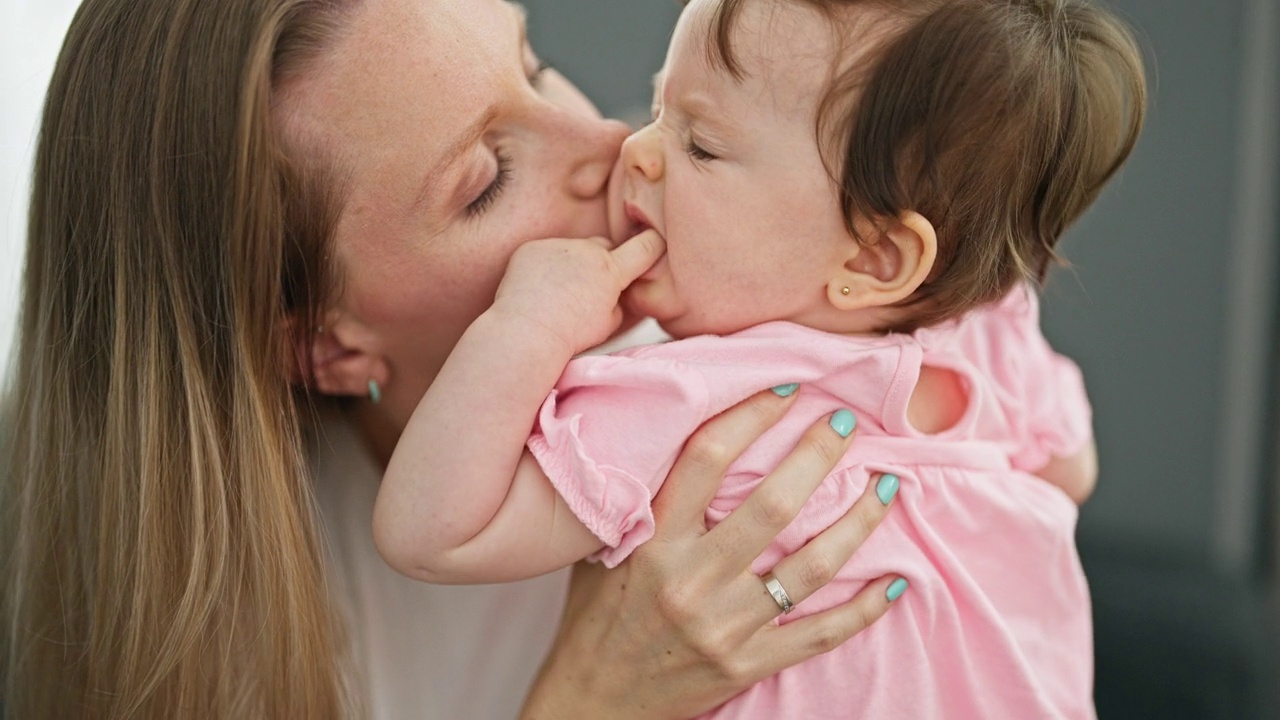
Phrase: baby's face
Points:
(729, 173)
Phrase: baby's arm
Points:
(1042, 391)
(462, 500)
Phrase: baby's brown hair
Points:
(997, 120)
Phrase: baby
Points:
(854, 200)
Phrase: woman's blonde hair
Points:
(161, 550)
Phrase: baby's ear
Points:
(887, 267)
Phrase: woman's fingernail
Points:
(887, 488)
(843, 422)
(896, 588)
(786, 390)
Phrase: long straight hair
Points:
(161, 552)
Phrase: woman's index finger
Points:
(700, 468)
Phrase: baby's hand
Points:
(571, 287)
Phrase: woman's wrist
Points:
(566, 687)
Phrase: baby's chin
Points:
(673, 326)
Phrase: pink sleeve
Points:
(608, 435)
(1042, 392)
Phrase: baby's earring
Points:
(375, 392)
(845, 290)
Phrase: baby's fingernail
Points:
(843, 422)
(887, 488)
(786, 390)
(896, 588)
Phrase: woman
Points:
(251, 218)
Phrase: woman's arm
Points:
(461, 496)
(683, 624)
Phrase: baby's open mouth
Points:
(637, 221)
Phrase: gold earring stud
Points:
(845, 290)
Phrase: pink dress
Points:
(996, 623)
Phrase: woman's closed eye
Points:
(490, 194)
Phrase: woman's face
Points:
(457, 149)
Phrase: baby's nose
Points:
(642, 153)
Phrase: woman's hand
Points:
(684, 624)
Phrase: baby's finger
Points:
(774, 503)
(805, 571)
(777, 648)
(682, 501)
(638, 254)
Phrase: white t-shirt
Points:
(424, 651)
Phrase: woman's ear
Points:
(896, 258)
(338, 358)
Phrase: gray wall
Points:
(1170, 309)
(1155, 309)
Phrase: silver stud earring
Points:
(375, 392)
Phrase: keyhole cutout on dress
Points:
(938, 402)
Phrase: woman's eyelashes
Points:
(489, 195)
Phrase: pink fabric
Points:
(996, 623)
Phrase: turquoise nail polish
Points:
(843, 422)
(896, 588)
(887, 488)
(786, 390)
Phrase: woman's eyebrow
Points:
(437, 174)
(475, 130)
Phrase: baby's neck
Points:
(864, 322)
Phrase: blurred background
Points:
(1170, 308)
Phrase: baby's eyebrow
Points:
(657, 79)
(702, 111)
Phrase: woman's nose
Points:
(642, 153)
(590, 176)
